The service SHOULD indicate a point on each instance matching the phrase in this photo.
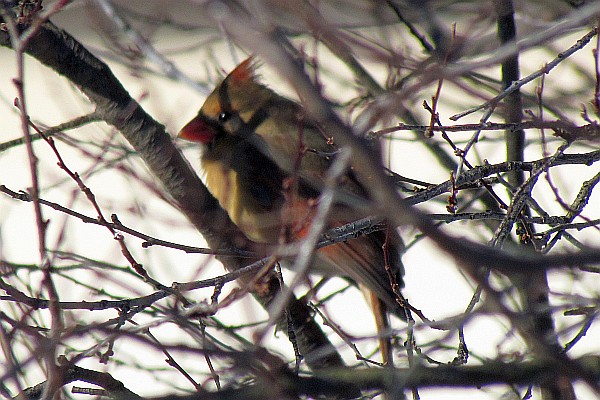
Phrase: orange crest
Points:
(243, 73)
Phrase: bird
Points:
(265, 161)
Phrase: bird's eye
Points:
(224, 116)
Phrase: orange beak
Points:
(197, 130)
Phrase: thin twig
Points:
(581, 43)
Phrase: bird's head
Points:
(230, 108)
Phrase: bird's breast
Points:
(226, 185)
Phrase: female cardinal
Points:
(265, 163)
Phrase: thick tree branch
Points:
(336, 381)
